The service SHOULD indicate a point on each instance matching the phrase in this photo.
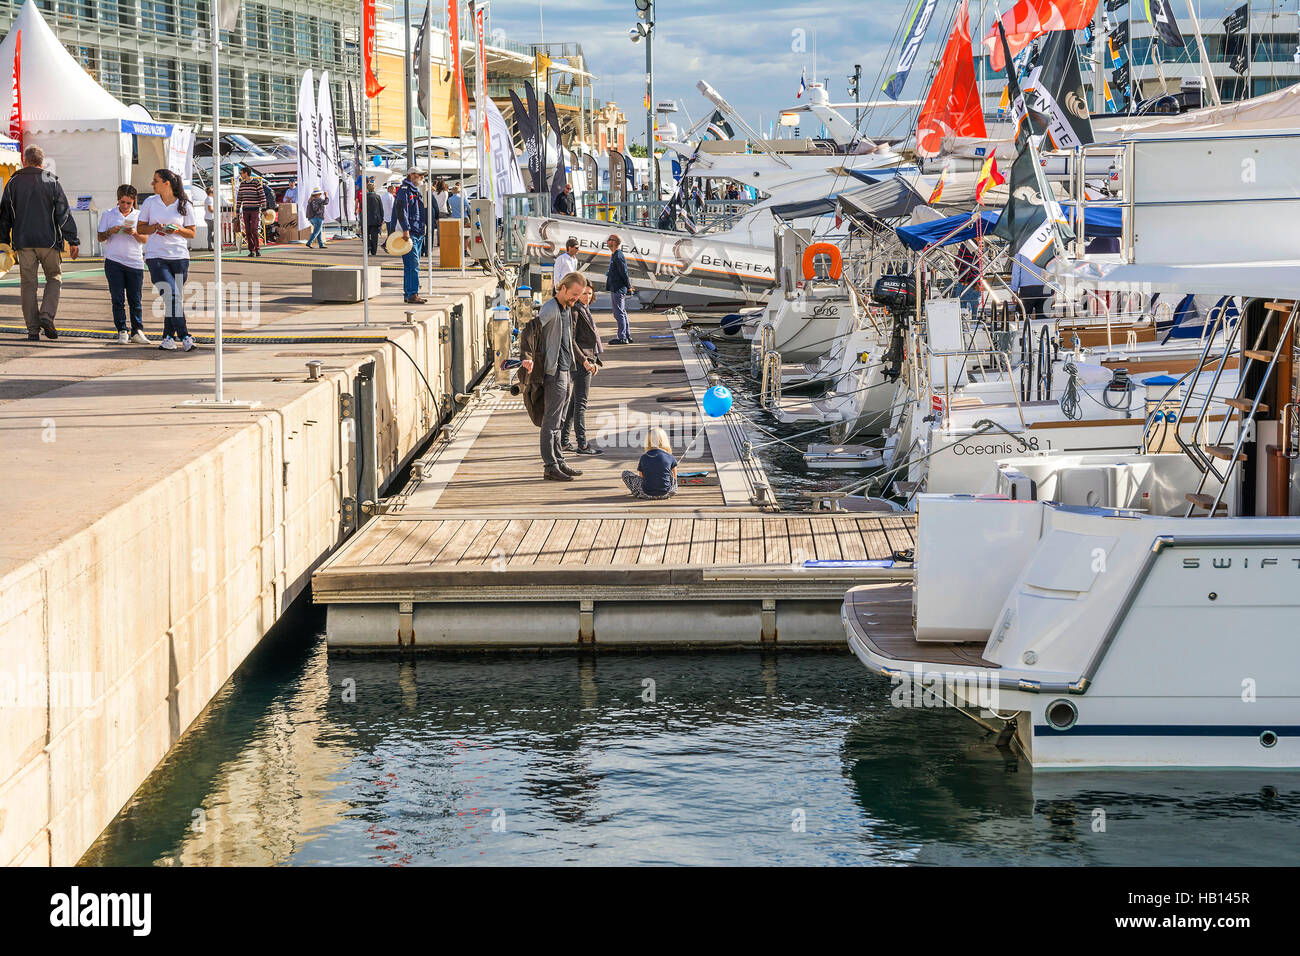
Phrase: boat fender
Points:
(732, 323)
(818, 249)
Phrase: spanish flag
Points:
(937, 194)
(989, 177)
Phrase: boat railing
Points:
(925, 370)
(1079, 209)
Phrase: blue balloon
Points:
(378, 161)
(717, 401)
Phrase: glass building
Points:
(155, 53)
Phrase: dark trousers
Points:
(252, 228)
(575, 418)
(555, 404)
(168, 277)
(124, 285)
(373, 234)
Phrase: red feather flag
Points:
(373, 88)
(16, 105)
(1030, 19)
(953, 106)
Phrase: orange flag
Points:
(953, 106)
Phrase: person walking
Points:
(209, 215)
(316, 216)
(167, 218)
(123, 247)
(35, 221)
(565, 262)
(656, 472)
(389, 194)
(250, 200)
(455, 203)
(586, 343)
(410, 217)
(550, 354)
(619, 286)
(374, 217)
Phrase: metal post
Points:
(410, 122)
(365, 200)
(216, 178)
(1098, 68)
(428, 159)
(650, 99)
(464, 193)
(1205, 57)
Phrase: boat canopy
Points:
(925, 234)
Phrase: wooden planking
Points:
(436, 544)
(751, 542)
(776, 540)
(825, 542)
(629, 541)
(526, 553)
(727, 549)
(678, 550)
(801, 540)
(877, 542)
(511, 538)
(484, 542)
(702, 541)
(415, 542)
(556, 544)
(655, 542)
(602, 549)
(852, 547)
(583, 537)
(386, 548)
(461, 540)
(373, 537)
(899, 532)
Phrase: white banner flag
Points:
(328, 149)
(308, 150)
(498, 171)
(228, 14)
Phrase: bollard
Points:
(313, 370)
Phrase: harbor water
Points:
(658, 758)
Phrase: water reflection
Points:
(620, 758)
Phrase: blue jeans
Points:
(316, 225)
(619, 300)
(411, 268)
(124, 285)
(168, 277)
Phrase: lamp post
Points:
(645, 12)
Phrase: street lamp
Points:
(645, 12)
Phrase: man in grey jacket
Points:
(559, 355)
(35, 220)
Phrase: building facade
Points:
(155, 53)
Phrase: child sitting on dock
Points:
(656, 473)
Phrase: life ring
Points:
(822, 248)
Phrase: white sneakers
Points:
(139, 338)
(187, 343)
(123, 338)
(168, 343)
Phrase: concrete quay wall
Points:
(116, 636)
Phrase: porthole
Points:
(1062, 714)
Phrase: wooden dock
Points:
(479, 551)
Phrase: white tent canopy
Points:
(85, 131)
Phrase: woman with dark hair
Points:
(124, 264)
(167, 218)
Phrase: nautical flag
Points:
(16, 105)
(561, 177)
(1111, 105)
(1032, 18)
(1055, 94)
(937, 193)
(1005, 101)
(423, 68)
(309, 173)
(953, 105)
(989, 177)
(911, 47)
(1031, 217)
(803, 83)
(541, 63)
(1161, 17)
(373, 88)
(1235, 22)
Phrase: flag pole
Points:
(365, 199)
(216, 178)
(428, 159)
(460, 126)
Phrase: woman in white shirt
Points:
(124, 263)
(167, 218)
(440, 195)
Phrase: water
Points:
(741, 758)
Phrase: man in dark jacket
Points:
(409, 218)
(565, 204)
(619, 286)
(374, 216)
(35, 222)
(551, 357)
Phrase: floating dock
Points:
(479, 552)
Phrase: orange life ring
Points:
(822, 248)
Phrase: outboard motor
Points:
(897, 293)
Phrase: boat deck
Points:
(881, 618)
(479, 551)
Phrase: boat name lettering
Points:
(1224, 563)
(998, 448)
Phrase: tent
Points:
(94, 140)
